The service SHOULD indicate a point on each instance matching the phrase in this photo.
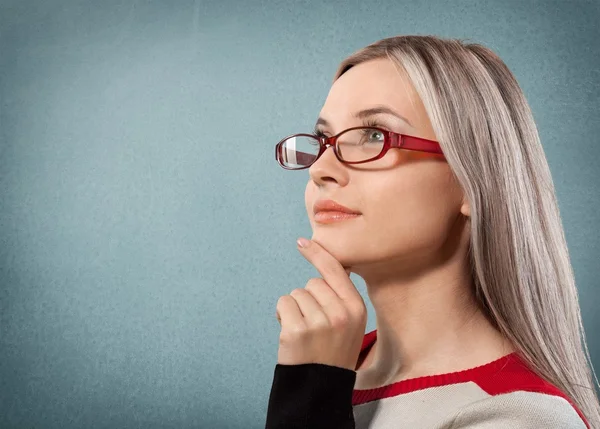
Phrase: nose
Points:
(326, 153)
(328, 168)
(328, 144)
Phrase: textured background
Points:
(146, 231)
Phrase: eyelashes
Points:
(318, 133)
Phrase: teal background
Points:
(146, 231)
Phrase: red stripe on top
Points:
(507, 374)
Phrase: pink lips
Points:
(330, 216)
(329, 211)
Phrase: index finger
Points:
(332, 271)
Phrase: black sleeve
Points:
(311, 396)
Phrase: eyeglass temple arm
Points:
(415, 143)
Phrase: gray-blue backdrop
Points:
(146, 231)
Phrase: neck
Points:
(428, 322)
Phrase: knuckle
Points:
(296, 291)
(285, 337)
(281, 301)
(357, 308)
(320, 323)
(314, 283)
(293, 334)
(339, 318)
(332, 271)
(359, 311)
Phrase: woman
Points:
(458, 237)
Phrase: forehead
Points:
(369, 84)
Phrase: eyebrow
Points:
(369, 112)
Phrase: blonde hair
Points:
(522, 273)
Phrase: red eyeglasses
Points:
(355, 145)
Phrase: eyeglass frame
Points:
(390, 140)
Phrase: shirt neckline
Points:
(423, 382)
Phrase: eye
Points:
(373, 136)
(376, 135)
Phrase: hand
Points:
(324, 322)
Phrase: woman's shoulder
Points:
(517, 394)
(519, 409)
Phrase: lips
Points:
(333, 217)
(332, 206)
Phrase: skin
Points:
(409, 245)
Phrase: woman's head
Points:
(491, 197)
(412, 209)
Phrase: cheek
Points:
(409, 215)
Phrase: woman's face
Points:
(409, 201)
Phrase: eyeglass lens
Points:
(352, 146)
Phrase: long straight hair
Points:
(522, 273)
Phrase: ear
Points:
(465, 209)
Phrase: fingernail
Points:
(303, 242)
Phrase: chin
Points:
(341, 249)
